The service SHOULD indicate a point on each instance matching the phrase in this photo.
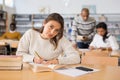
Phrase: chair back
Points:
(112, 61)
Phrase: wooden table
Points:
(115, 53)
(87, 52)
(99, 56)
(105, 73)
(98, 53)
(13, 43)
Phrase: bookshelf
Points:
(3, 22)
(112, 20)
(23, 22)
(37, 20)
(26, 21)
(68, 19)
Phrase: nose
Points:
(52, 31)
(85, 18)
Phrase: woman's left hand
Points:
(108, 49)
(53, 61)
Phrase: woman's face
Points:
(101, 31)
(51, 29)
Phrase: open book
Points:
(42, 67)
(62, 69)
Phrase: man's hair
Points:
(85, 9)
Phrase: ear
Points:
(80, 14)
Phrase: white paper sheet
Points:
(74, 72)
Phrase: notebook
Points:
(44, 67)
(74, 72)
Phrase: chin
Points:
(85, 20)
(48, 37)
(101, 35)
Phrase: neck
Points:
(12, 31)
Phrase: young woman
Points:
(103, 40)
(49, 43)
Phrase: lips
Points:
(49, 35)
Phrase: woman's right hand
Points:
(91, 48)
(74, 46)
(38, 60)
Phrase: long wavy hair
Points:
(103, 26)
(56, 17)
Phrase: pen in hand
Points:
(37, 58)
(37, 55)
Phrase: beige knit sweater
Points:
(31, 41)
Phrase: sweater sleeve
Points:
(91, 35)
(113, 43)
(74, 32)
(23, 48)
(70, 55)
(93, 43)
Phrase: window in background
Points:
(9, 3)
(92, 8)
(66, 2)
(1, 2)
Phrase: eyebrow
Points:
(54, 26)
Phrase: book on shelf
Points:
(10, 62)
(44, 67)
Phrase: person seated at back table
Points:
(12, 34)
(103, 39)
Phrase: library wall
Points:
(10, 11)
(65, 6)
(3, 22)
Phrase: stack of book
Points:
(10, 62)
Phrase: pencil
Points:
(37, 55)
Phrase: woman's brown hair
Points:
(103, 25)
(56, 17)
